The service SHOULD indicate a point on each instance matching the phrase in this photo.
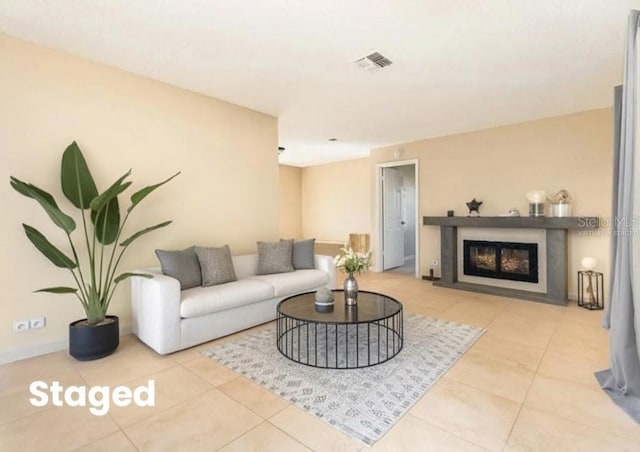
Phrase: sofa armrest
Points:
(155, 310)
(325, 263)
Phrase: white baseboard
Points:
(42, 349)
(31, 351)
(410, 257)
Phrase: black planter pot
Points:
(94, 342)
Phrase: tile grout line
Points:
(449, 432)
(526, 396)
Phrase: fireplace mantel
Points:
(556, 238)
(514, 222)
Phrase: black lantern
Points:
(590, 289)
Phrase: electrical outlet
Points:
(38, 322)
(435, 262)
(20, 325)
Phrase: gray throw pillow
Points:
(303, 254)
(182, 265)
(275, 257)
(216, 265)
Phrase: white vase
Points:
(560, 210)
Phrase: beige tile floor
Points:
(526, 385)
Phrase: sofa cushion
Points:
(245, 265)
(182, 265)
(216, 265)
(290, 283)
(206, 300)
(303, 254)
(275, 257)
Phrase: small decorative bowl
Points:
(324, 306)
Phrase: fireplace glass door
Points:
(501, 260)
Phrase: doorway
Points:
(398, 217)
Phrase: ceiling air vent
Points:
(373, 62)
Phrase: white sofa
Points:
(168, 319)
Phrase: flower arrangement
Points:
(348, 261)
(561, 197)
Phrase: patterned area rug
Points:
(364, 403)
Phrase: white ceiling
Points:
(457, 65)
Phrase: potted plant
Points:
(95, 257)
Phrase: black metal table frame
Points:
(290, 338)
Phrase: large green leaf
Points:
(57, 257)
(124, 276)
(144, 231)
(29, 189)
(105, 211)
(77, 183)
(138, 196)
(107, 222)
(48, 203)
(58, 290)
(116, 188)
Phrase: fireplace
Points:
(501, 260)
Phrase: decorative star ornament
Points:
(474, 206)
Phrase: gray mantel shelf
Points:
(557, 260)
(514, 222)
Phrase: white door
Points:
(393, 234)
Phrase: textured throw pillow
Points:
(216, 265)
(275, 257)
(182, 265)
(303, 254)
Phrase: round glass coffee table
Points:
(348, 337)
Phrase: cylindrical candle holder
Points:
(560, 210)
(536, 209)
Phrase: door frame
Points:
(379, 226)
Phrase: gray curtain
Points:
(622, 380)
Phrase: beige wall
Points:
(336, 200)
(227, 193)
(290, 202)
(498, 166)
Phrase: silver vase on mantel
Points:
(350, 291)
